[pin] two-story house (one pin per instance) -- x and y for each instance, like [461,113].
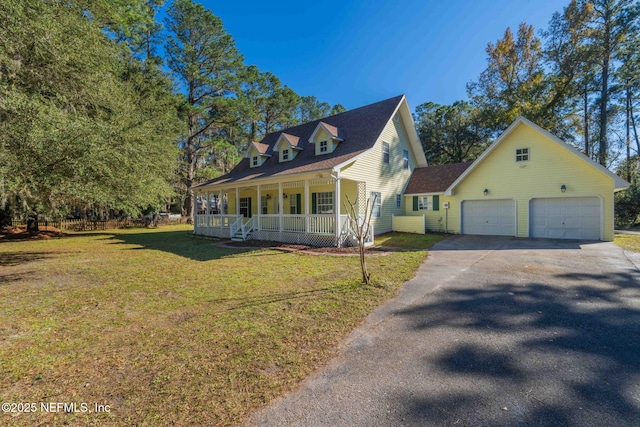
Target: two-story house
[294,185]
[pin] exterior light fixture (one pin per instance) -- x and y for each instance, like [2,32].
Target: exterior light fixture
[486,191]
[284,196]
[268,197]
[563,188]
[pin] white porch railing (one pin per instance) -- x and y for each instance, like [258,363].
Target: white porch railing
[268,222]
[314,224]
[247,228]
[236,226]
[319,225]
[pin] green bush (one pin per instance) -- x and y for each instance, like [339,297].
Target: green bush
[627,206]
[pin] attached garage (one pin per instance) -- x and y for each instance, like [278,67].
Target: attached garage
[489,217]
[566,218]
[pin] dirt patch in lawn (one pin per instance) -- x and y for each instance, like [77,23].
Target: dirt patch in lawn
[21,233]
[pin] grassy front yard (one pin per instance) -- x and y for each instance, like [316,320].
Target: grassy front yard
[167,328]
[630,242]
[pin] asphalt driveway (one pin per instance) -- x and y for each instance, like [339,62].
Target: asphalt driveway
[491,332]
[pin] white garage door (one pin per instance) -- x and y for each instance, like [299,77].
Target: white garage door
[489,217]
[565,218]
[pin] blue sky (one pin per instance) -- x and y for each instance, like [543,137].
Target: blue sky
[356,52]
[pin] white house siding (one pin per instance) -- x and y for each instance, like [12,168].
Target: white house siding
[387,179]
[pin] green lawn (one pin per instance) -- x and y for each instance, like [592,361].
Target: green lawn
[167,328]
[408,240]
[630,242]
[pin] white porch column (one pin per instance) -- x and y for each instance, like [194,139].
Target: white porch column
[307,211]
[206,206]
[259,208]
[337,207]
[237,201]
[280,206]
[221,205]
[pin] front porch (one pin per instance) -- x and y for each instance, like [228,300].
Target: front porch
[304,212]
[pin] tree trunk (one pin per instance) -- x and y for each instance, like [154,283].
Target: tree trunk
[604,100]
[628,126]
[586,119]
[635,130]
[32,223]
[604,92]
[366,276]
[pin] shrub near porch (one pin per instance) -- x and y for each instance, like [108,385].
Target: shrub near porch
[167,328]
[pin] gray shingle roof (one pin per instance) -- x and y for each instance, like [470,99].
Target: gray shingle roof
[360,129]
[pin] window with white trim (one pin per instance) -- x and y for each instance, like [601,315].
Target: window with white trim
[405,159]
[522,154]
[324,146]
[376,201]
[398,201]
[385,152]
[285,154]
[423,203]
[244,207]
[254,161]
[324,202]
[263,203]
[294,209]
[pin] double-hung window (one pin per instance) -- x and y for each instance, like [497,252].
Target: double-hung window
[324,202]
[245,207]
[423,203]
[398,201]
[263,203]
[405,159]
[285,154]
[376,202]
[385,152]
[254,161]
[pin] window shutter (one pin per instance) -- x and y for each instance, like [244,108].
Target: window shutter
[436,203]
[248,207]
[314,207]
[298,204]
[415,203]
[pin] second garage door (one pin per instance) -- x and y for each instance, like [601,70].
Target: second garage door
[565,218]
[489,217]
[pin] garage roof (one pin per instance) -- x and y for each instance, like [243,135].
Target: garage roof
[434,179]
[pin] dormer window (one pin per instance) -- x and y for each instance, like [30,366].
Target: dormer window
[326,138]
[324,146]
[257,154]
[285,154]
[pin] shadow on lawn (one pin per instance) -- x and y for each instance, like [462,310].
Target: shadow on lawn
[180,243]
[231,304]
[9,259]
[549,355]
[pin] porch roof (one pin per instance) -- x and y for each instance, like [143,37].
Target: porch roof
[360,128]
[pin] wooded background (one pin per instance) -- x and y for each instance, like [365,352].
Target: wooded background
[105,111]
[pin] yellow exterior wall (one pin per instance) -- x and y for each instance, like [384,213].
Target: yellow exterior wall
[388,179]
[439,221]
[347,188]
[409,224]
[549,167]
